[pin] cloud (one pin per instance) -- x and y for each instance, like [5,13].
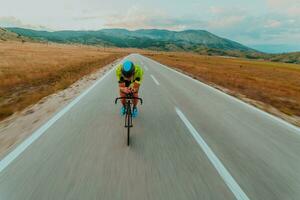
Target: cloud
[272,23]
[233,23]
[134,18]
[266,30]
[14,22]
[241,25]
[294,11]
[88,17]
[279,24]
[215,10]
[281,3]
[286,7]
[10,21]
[225,22]
[225,17]
[137,18]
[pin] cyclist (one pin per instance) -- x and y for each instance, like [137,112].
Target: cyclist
[129,76]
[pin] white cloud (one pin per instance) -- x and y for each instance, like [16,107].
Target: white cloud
[134,18]
[294,11]
[281,3]
[272,23]
[225,22]
[10,22]
[140,18]
[215,10]
[14,22]
[287,7]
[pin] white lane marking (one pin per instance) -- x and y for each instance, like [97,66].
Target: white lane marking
[228,179]
[154,79]
[270,116]
[26,143]
[146,68]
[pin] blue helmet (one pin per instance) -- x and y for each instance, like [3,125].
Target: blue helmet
[128,68]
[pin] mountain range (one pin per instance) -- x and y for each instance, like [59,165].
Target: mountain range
[144,38]
[197,41]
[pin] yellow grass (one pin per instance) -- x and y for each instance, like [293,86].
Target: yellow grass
[31,71]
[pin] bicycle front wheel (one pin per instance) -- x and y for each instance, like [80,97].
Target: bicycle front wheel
[128,129]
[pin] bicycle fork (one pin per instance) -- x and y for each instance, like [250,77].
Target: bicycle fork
[128,116]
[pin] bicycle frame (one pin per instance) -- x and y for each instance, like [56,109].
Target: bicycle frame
[128,114]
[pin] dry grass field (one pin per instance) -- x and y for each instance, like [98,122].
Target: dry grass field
[275,84]
[31,71]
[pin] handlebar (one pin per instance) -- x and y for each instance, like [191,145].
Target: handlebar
[128,97]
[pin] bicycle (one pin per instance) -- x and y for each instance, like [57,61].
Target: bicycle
[128,112]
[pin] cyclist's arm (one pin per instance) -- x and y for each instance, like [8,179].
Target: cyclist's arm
[138,80]
[123,88]
[120,79]
[136,85]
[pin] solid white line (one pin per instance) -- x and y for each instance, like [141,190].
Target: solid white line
[154,79]
[270,116]
[228,179]
[26,143]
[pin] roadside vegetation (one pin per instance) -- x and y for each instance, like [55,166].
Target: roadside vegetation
[31,71]
[267,85]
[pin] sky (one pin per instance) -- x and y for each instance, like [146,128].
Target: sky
[250,22]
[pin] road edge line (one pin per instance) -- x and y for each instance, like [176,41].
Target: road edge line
[11,156]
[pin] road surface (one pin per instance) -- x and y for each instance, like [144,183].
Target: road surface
[189,141]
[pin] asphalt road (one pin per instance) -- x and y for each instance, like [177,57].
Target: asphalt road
[189,141]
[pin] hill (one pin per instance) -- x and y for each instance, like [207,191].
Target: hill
[6,35]
[150,39]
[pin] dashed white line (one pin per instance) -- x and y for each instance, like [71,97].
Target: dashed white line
[228,179]
[154,79]
[146,68]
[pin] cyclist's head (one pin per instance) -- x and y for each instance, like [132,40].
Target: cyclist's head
[128,68]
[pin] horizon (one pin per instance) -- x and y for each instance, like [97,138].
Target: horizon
[265,48]
[252,23]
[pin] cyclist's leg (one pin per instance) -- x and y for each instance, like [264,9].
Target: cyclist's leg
[135,101]
[123,101]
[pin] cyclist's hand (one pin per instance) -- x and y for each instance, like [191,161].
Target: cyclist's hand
[132,90]
[126,90]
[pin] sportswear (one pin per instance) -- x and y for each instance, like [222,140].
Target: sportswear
[137,75]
